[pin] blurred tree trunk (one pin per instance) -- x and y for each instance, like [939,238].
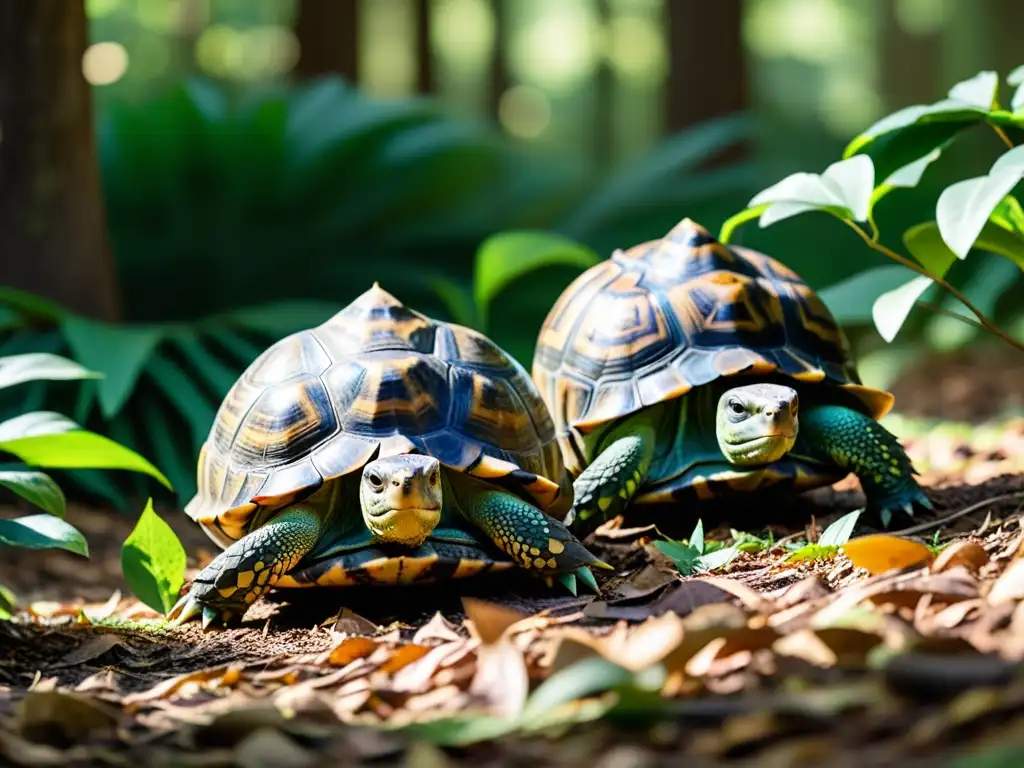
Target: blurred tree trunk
[53,238]
[499,63]
[910,71]
[425,74]
[328,34]
[707,62]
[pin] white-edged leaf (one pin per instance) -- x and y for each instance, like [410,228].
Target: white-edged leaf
[925,244]
[1010,160]
[840,531]
[153,561]
[41,366]
[42,532]
[776,212]
[891,309]
[34,424]
[718,559]
[850,300]
[978,91]
[910,175]
[119,352]
[964,207]
[844,188]
[697,537]
[1017,76]
[37,488]
[854,180]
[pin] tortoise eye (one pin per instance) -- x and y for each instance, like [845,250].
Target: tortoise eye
[433,479]
[736,407]
[375,480]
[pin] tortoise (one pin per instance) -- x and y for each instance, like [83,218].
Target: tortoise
[381,447]
[682,370]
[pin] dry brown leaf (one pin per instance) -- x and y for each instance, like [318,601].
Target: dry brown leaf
[751,599]
[966,554]
[437,630]
[269,748]
[501,681]
[402,657]
[94,646]
[351,623]
[489,621]
[829,647]
[171,685]
[879,553]
[416,676]
[1009,587]
[54,716]
[348,650]
[105,610]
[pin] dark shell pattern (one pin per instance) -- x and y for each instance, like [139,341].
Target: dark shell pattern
[377,379]
[653,322]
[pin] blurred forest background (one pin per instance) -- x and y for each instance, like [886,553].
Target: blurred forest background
[261,162]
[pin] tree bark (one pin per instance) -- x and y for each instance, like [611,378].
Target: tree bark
[53,237]
[707,71]
[328,34]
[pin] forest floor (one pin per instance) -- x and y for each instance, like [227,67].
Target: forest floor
[768,662]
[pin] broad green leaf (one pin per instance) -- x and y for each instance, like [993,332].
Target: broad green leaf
[153,561]
[119,352]
[812,552]
[37,488]
[79,449]
[722,557]
[927,246]
[196,408]
[737,220]
[207,366]
[683,555]
[509,255]
[34,424]
[1017,76]
[964,207]
[30,304]
[458,301]
[6,602]
[584,678]
[891,309]
[42,532]
[844,189]
[850,300]
[1010,160]
[978,91]
[840,531]
[283,317]
[697,537]
[992,278]
[906,177]
[41,366]
[1009,215]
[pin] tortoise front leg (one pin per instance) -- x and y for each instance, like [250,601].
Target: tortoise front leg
[246,570]
[534,540]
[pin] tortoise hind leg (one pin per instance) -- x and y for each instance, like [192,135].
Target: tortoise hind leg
[861,445]
[246,570]
[604,488]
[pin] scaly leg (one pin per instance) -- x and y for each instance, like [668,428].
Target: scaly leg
[604,488]
[246,570]
[861,445]
[536,541]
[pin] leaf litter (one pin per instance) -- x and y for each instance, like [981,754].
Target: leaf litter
[891,650]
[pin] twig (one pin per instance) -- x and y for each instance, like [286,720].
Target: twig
[958,514]
[948,313]
[984,321]
[1002,135]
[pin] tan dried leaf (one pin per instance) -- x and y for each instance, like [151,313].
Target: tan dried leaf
[961,554]
[437,630]
[489,621]
[348,650]
[403,656]
[43,714]
[1009,587]
[502,680]
[880,553]
[269,748]
[94,646]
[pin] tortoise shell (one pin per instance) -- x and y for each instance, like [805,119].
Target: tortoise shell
[377,379]
[655,321]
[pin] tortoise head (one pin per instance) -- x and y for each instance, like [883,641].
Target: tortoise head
[757,423]
[401,498]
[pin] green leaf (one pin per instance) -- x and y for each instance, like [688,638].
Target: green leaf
[509,255]
[1010,160]
[892,308]
[737,220]
[840,531]
[6,602]
[979,91]
[37,488]
[584,678]
[42,532]
[41,366]
[697,537]
[927,246]
[906,177]
[1009,215]
[32,305]
[153,561]
[78,449]
[812,552]
[683,555]
[720,558]
[34,424]
[458,301]
[844,189]
[119,352]
[1017,76]
[850,300]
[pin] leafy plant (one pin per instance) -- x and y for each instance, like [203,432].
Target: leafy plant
[696,554]
[831,539]
[153,561]
[45,439]
[981,213]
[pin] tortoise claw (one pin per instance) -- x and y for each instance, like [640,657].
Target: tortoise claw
[584,575]
[568,580]
[209,616]
[186,609]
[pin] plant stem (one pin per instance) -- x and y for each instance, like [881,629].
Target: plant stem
[943,311]
[1002,135]
[984,321]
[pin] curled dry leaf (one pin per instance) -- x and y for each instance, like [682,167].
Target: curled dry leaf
[352,623]
[489,621]
[437,630]
[402,657]
[1009,587]
[750,598]
[54,716]
[501,681]
[828,647]
[961,554]
[348,650]
[269,748]
[880,553]
[92,648]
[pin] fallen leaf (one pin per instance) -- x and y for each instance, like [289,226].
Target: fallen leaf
[415,677]
[829,647]
[94,646]
[403,656]
[966,554]
[681,598]
[879,553]
[348,650]
[167,687]
[352,623]
[269,748]
[1009,587]
[57,717]
[501,680]
[750,598]
[438,630]
[489,621]
[104,611]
